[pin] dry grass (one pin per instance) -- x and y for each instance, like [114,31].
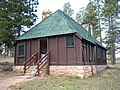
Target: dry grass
[108,79]
[7,74]
[7,59]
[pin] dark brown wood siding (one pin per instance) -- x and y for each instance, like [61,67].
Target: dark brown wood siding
[34,46]
[18,60]
[61,50]
[60,54]
[101,56]
[31,46]
[28,52]
[93,54]
[71,57]
[78,45]
[53,50]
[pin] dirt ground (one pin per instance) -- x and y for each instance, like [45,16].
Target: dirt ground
[9,78]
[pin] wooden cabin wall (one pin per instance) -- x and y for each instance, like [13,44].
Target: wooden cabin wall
[101,56]
[71,54]
[93,50]
[78,49]
[87,53]
[28,49]
[34,46]
[18,60]
[62,55]
[92,55]
[53,50]
[31,46]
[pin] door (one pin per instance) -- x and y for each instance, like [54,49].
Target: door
[43,47]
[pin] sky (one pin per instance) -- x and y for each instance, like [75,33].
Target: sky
[54,5]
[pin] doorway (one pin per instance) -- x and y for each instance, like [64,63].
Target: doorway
[43,47]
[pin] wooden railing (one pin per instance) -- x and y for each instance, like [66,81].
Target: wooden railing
[30,61]
[43,61]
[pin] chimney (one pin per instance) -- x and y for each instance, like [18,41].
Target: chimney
[46,14]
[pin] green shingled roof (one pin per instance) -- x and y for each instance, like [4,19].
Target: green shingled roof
[57,24]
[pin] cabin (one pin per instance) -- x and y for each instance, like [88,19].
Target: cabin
[61,47]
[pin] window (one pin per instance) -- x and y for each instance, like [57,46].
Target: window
[21,50]
[70,40]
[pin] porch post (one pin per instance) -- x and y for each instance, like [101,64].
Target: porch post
[38,56]
[38,49]
[48,71]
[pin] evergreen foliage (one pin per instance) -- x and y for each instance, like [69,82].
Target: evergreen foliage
[67,9]
[14,14]
[110,19]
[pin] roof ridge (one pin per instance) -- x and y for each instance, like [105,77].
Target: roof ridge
[73,22]
[63,14]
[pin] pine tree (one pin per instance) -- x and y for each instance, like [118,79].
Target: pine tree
[99,19]
[67,9]
[14,14]
[110,14]
[90,17]
[80,15]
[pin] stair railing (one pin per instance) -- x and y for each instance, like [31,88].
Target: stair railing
[43,61]
[29,62]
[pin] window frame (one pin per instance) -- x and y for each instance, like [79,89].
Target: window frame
[73,40]
[18,50]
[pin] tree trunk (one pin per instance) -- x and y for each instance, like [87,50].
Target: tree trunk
[5,51]
[19,29]
[112,43]
[113,50]
[99,27]
[113,53]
